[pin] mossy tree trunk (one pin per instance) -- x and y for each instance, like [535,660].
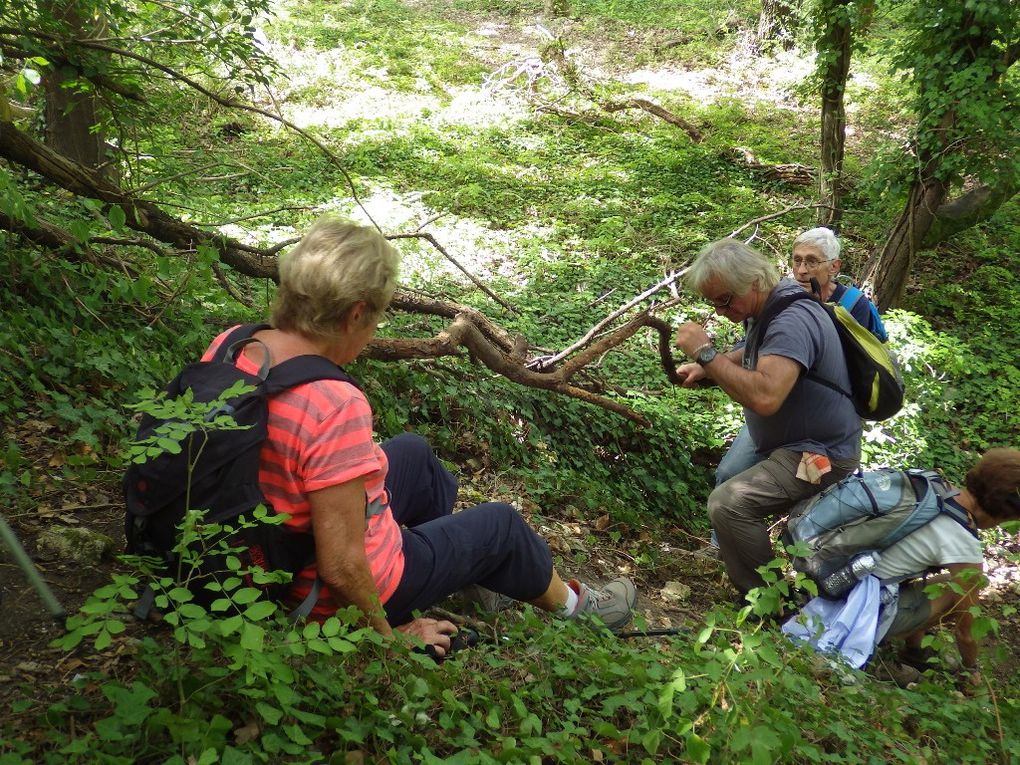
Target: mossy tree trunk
[557,9]
[967,116]
[775,25]
[834,64]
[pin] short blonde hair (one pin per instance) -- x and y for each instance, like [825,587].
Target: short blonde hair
[335,265]
[736,265]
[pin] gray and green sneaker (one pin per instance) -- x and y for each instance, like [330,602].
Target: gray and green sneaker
[486,600]
[613,604]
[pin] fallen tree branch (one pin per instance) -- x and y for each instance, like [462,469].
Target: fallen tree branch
[463,333]
[654,109]
[140,215]
[231,103]
[229,288]
[469,329]
[793,174]
[474,279]
[547,362]
[573,75]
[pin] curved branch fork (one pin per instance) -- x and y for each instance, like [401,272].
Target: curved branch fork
[469,330]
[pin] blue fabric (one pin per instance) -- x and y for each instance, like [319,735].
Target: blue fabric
[847,627]
[861,308]
[739,457]
[444,552]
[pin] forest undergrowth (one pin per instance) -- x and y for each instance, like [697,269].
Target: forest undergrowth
[461,119]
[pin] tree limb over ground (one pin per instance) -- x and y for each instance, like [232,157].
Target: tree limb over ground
[469,330]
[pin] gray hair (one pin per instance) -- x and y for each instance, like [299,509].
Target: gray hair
[737,267]
[335,265]
[823,239]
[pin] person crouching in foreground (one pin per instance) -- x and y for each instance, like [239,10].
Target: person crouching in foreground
[991,496]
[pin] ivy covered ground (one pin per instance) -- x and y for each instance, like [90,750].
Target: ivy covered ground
[472,120]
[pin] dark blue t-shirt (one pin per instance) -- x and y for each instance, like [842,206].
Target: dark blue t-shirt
[860,310]
[813,418]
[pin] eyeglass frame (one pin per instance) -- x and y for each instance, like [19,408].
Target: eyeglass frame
[810,263]
[723,305]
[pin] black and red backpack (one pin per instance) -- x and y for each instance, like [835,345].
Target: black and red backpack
[224,471]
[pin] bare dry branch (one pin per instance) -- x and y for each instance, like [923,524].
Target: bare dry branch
[474,279]
[773,216]
[550,361]
[230,289]
[658,111]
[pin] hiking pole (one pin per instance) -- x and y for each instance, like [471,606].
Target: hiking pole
[22,559]
[654,633]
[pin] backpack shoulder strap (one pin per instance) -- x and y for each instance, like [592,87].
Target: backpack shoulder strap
[850,298]
[945,498]
[303,369]
[779,305]
[238,334]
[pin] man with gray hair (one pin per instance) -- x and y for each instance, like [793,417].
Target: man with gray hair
[816,256]
[808,435]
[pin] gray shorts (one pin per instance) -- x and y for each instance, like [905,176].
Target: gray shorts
[914,610]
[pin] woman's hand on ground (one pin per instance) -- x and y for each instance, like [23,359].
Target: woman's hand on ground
[432,632]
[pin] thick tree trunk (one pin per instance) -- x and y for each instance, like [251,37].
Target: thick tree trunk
[557,9]
[71,114]
[141,215]
[774,25]
[835,46]
[976,206]
[70,120]
[890,274]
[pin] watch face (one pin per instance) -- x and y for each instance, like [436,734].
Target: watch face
[706,356]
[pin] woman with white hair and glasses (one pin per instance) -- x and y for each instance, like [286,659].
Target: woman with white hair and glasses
[386,538]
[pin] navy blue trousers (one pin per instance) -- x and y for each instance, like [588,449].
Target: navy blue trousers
[489,544]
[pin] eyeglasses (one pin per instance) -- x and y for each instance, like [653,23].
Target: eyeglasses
[722,304]
[810,263]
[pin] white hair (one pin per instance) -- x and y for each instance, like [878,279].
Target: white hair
[822,238]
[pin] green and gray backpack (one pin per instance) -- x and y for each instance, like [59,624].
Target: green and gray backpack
[866,513]
[876,387]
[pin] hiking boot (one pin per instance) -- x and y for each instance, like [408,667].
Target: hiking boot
[613,604]
[708,552]
[890,670]
[486,600]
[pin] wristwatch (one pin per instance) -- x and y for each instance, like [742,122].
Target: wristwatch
[705,354]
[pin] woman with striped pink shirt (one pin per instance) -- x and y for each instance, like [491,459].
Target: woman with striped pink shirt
[386,539]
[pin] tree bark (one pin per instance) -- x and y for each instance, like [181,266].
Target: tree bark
[908,232]
[141,215]
[774,24]
[469,329]
[942,141]
[557,9]
[71,112]
[834,45]
[976,206]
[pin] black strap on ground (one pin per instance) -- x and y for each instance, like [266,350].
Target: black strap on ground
[665,632]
